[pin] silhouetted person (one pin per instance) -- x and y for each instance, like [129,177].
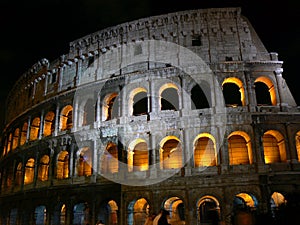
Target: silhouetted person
[163,220]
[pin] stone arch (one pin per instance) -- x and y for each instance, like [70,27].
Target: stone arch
[49,123]
[40,215]
[138,102]
[176,208]
[170,153]
[84,162]
[109,159]
[138,210]
[81,214]
[62,166]
[110,106]
[138,157]
[34,129]
[208,210]
[16,138]
[239,148]
[43,169]
[66,118]
[274,147]
[108,212]
[233,92]
[23,137]
[205,150]
[265,91]
[169,97]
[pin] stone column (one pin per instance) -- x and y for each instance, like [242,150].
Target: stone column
[41,130]
[57,118]
[28,129]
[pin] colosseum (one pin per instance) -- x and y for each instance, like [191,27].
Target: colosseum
[186,111]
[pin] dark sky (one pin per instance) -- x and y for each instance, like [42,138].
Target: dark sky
[36,29]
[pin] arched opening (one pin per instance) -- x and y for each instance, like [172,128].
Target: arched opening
[170,153]
[108,213]
[199,99]
[205,150]
[88,113]
[138,210]
[208,211]
[265,91]
[13,216]
[176,209]
[110,107]
[233,92]
[169,98]
[66,118]
[24,134]
[274,147]
[239,148]
[278,202]
[9,140]
[244,206]
[34,129]
[49,124]
[62,170]
[43,169]
[109,161]
[81,214]
[297,140]
[19,175]
[140,103]
[84,162]
[59,214]
[29,171]
[15,141]
[40,215]
[138,157]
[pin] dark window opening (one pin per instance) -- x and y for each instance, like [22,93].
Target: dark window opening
[91,60]
[140,104]
[262,94]
[53,78]
[196,41]
[199,100]
[232,95]
[228,58]
[169,99]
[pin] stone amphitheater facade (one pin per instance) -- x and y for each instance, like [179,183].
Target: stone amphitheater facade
[185,111]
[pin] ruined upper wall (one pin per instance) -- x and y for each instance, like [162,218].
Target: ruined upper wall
[217,35]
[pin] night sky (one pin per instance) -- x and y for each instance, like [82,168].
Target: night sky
[36,29]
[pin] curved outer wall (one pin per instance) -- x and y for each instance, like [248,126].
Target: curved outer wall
[229,47]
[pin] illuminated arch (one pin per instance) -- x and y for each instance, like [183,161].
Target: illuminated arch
[109,159]
[239,148]
[228,99]
[271,89]
[274,147]
[138,101]
[138,210]
[19,176]
[205,150]
[110,107]
[29,171]
[108,212]
[169,97]
[170,153]
[208,210]
[84,162]
[175,206]
[49,124]
[9,140]
[23,137]
[62,167]
[138,157]
[34,129]
[66,118]
[43,169]
[15,140]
